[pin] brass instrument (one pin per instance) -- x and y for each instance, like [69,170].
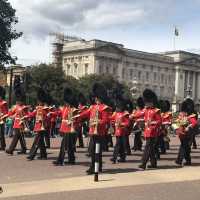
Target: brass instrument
[1,118]
[95,121]
[39,118]
[70,120]
[24,123]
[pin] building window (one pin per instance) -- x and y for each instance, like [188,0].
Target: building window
[136,64]
[100,69]
[131,73]
[151,67]
[139,75]
[115,70]
[147,76]
[162,78]
[86,68]
[65,60]
[72,59]
[155,76]
[144,66]
[68,69]
[107,69]
[75,69]
[123,73]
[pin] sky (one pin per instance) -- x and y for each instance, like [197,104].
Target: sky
[145,25]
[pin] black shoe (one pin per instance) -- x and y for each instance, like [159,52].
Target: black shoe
[187,164]
[194,147]
[142,167]
[178,163]
[42,157]
[58,163]
[152,166]
[71,162]
[9,152]
[129,153]
[30,158]
[113,160]
[90,171]
[122,160]
[21,152]
[2,149]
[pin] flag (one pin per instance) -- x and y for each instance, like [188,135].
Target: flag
[176,32]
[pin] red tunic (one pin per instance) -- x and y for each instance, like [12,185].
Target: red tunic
[185,121]
[3,110]
[19,112]
[166,118]
[97,114]
[68,125]
[138,117]
[40,114]
[121,123]
[153,121]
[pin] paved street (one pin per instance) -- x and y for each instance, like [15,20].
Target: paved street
[22,179]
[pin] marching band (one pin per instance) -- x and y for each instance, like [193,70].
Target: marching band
[150,122]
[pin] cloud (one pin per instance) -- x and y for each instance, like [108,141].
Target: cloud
[39,17]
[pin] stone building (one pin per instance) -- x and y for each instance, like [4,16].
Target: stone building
[172,75]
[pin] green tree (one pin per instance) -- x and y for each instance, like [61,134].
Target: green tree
[7,31]
[51,79]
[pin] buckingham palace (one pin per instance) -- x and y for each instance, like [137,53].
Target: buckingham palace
[173,75]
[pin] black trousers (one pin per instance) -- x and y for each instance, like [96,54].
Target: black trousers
[128,148]
[138,140]
[120,148]
[149,152]
[184,150]
[18,136]
[2,137]
[79,137]
[162,144]
[94,139]
[67,144]
[38,143]
[47,138]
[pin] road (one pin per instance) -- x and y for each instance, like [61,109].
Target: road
[38,179]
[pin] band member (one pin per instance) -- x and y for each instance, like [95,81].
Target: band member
[40,115]
[19,113]
[152,120]
[120,121]
[67,128]
[80,125]
[138,127]
[165,128]
[186,122]
[3,114]
[98,114]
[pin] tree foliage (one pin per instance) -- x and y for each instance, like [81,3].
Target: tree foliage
[7,31]
[54,80]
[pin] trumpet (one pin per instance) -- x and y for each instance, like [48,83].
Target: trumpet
[1,118]
[95,121]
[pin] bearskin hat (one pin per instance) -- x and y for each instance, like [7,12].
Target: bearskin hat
[42,96]
[184,106]
[81,99]
[189,103]
[68,96]
[120,103]
[140,102]
[167,103]
[2,92]
[99,91]
[150,97]
[162,105]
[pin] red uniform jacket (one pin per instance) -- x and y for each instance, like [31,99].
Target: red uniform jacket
[153,121]
[121,123]
[40,114]
[3,110]
[138,117]
[18,111]
[184,121]
[68,125]
[97,114]
[166,118]
[79,122]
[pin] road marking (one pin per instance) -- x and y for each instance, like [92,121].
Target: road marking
[106,181]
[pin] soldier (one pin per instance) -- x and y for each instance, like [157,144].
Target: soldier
[138,118]
[82,106]
[40,115]
[3,114]
[98,114]
[19,113]
[67,128]
[120,121]
[186,123]
[152,120]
